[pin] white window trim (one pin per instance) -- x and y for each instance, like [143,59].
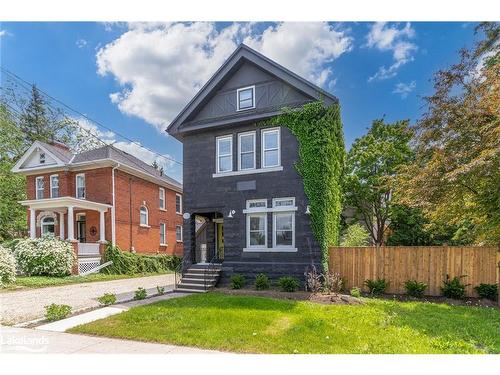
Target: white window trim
[254,134]
[247,171]
[84,186]
[247,230]
[262,150]
[256,209]
[52,186]
[164,225]
[176,239]
[292,246]
[217,156]
[40,158]
[238,98]
[164,208]
[42,224]
[147,217]
[36,187]
[180,205]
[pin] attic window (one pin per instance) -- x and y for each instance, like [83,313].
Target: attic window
[42,158]
[245,98]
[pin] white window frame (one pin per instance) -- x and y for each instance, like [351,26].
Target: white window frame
[180,203]
[164,242]
[39,178]
[263,149]
[177,239]
[43,224]
[162,201]
[254,152]
[281,212]
[218,156]
[52,187]
[238,98]
[84,186]
[249,216]
[147,216]
[42,158]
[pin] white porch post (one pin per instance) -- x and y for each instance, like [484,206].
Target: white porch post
[71,224]
[61,225]
[102,228]
[32,223]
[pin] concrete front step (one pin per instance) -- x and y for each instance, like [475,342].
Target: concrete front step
[189,280]
[184,290]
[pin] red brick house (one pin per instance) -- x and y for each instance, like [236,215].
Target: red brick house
[101,195]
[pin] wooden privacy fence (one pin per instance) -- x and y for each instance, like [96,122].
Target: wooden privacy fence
[428,264]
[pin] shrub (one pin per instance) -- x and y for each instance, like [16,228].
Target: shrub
[46,256]
[237,281]
[140,293]
[55,312]
[107,299]
[125,263]
[377,287]
[453,288]
[333,283]
[314,281]
[488,291]
[7,267]
[355,292]
[288,284]
[415,288]
[161,290]
[262,282]
[355,235]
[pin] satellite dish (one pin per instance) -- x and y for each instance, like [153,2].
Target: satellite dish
[186,215]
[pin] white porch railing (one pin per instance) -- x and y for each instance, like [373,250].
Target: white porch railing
[87,249]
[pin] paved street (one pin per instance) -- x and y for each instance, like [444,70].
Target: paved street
[24,305]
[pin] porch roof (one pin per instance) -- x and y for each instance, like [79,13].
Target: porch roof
[64,202]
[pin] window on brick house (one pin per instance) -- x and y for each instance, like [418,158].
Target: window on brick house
[143,212]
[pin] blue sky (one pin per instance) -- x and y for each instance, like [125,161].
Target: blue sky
[135,77]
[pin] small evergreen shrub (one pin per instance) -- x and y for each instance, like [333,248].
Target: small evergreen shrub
[107,299]
[488,291]
[415,288]
[161,290]
[237,281]
[453,288]
[140,293]
[55,312]
[355,235]
[288,284]
[45,256]
[7,267]
[377,287]
[262,282]
[355,292]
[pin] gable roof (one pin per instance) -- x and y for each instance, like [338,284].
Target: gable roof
[241,54]
[60,157]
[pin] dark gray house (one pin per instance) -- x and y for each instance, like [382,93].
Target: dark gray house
[244,202]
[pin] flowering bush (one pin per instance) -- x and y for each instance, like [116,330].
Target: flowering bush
[46,256]
[7,267]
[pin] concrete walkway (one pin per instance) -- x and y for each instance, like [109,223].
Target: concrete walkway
[30,341]
[24,305]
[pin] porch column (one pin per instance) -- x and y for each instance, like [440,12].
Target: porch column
[32,223]
[102,228]
[61,225]
[71,224]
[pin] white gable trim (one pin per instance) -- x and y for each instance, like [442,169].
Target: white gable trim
[29,152]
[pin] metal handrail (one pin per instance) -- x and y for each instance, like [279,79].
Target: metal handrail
[209,270]
[177,271]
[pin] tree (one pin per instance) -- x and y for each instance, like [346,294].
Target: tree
[372,164]
[456,175]
[355,235]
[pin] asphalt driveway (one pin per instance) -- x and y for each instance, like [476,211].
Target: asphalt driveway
[25,305]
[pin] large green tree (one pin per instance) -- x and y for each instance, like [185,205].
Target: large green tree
[456,175]
[372,164]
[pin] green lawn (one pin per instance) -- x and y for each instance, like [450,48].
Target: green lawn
[23,282]
[264,325]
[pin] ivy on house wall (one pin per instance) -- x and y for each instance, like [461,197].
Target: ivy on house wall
[321,163]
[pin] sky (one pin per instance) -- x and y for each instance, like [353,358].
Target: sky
[135,77]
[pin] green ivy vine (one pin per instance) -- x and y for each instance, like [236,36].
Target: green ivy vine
[321,163]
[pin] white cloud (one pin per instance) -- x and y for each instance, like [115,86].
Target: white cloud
[161,66]
[385,37]
[80,43]
[404,89]
[4,33]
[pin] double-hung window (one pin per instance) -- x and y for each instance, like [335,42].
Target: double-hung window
[143,216]
[178,233]
[225,154]
[80,186]
[246,151]
[246,98]
[54,186]
[256,224]
[162,198]
[178,204]
[284,223]
[271,145]
[39,187]
[163,234]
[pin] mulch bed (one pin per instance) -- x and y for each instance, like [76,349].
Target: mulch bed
[468,301]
